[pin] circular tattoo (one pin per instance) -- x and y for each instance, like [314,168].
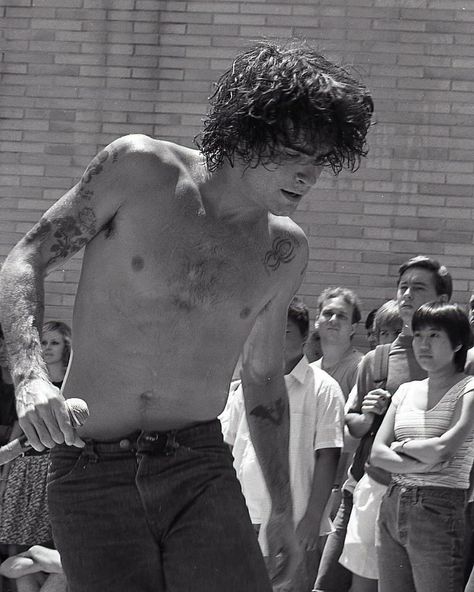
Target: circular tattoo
[282,251]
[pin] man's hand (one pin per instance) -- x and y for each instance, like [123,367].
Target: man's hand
[283,549]
[43,415]
[307,532]
[376,402]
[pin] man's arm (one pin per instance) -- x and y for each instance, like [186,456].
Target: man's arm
[326,460]
[357,422]
[63,230]
[368,402]
[267,410]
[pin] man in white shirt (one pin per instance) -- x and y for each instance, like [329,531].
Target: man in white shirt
[316,439]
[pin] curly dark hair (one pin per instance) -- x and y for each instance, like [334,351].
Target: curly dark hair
[276,97]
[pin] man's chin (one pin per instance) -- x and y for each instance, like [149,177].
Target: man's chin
[286,210]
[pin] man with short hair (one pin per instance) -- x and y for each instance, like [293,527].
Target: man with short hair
[189,255]
[339,313]
[316,438]
[420,279]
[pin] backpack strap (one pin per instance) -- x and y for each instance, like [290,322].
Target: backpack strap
[381,364]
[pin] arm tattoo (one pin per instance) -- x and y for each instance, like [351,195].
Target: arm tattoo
[283,250]
[69,233]
[39,231]
[95,168]
[273,413]
[72,233]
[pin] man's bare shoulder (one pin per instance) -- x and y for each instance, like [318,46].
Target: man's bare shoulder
[151,154]
[279,225]
[289,245]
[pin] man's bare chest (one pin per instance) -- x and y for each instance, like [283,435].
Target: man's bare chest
[189,265]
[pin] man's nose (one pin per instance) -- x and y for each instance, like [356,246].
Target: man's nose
[308,175]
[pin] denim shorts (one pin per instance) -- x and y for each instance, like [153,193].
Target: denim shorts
[153,512]
[421,539]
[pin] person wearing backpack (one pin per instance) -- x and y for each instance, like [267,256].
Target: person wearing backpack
[381,371]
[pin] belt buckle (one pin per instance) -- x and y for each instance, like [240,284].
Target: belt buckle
[159,442]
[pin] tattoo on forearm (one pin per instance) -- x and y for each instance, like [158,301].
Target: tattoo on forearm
[283,251]
[273,413]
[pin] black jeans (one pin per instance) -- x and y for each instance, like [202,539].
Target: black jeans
[154,512]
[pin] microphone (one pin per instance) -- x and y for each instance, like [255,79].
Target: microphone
[78,414]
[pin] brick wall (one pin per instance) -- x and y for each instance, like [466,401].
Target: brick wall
[75,74]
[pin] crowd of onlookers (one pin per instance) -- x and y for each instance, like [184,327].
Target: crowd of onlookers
[381,443]
[380,446]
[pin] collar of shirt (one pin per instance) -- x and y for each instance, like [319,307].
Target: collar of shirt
[299,371]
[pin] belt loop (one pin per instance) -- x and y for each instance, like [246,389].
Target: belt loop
[416,494]
[171,444]
[90,452]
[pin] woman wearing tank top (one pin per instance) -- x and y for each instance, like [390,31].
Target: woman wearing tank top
[427,442]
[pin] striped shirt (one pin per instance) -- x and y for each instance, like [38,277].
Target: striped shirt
[412,423]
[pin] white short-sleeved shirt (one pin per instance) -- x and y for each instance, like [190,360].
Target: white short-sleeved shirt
[316,422]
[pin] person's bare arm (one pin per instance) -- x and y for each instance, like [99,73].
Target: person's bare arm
[266,403]
[323,478]
[441,448]
[374,403]
[359,419]
[383,456]
[63,230]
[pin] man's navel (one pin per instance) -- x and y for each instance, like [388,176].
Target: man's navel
[138,263]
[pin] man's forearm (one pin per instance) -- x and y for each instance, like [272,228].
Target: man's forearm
[323,478]
[21,313]
[267,412]
[359,424]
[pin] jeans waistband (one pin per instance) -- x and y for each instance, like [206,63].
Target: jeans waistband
[415,492]
[156,442]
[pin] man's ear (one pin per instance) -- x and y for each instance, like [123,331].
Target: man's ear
[354,327]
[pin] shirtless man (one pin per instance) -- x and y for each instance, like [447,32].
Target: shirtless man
[189,256]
